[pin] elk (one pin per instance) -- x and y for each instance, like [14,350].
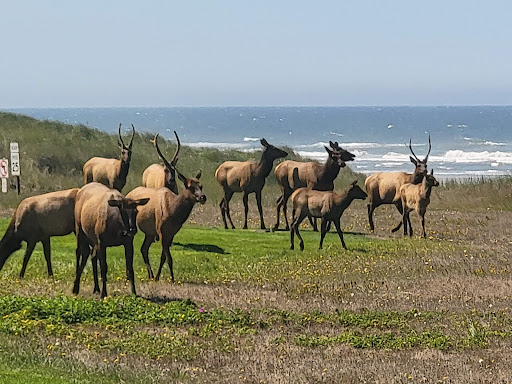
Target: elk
[416,197]
[384,187]
[247,177]
[110,172]
[327,205]
[38,218]
[104,218]
[158,175]
[292,175]
[164,216]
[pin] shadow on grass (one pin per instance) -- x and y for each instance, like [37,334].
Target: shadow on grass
[204,248]
[160,299]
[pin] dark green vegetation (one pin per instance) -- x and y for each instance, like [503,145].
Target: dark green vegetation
[245,308]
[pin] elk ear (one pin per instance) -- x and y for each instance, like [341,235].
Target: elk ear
[264,142]
[329,151]
[354,183]
[198,176]
[432,172]
[115,203]
[413,160]
[142,201]
[182,178]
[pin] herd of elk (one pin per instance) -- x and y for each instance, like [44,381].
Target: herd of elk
[102,217]
[110,172]
[247,177]
[384,187]
[291,175]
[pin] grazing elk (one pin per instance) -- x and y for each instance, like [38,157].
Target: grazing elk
[416,197]
[247,177]
[38,218]
[164,216]
[110,172]
[104,218]
[327,205]
[384,187]
[292,175]
[158,175]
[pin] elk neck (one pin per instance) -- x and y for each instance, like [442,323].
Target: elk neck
[264,166]
[124,167]
[329,171]
[183,205]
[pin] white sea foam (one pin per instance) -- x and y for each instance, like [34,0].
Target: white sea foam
[205,144]
[459,156]
[251,139]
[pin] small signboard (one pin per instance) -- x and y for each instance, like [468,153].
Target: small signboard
[4,168]
[14,147]
[15,163]
[4,185]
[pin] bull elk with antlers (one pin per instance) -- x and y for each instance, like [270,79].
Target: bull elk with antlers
[164,216]
[110,172]
[158,175]
[292,175]
[384,187]
[247,177]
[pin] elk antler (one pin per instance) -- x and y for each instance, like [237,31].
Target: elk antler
[410,148]
[131,140]
[429,148]
[155,142]
[175,158]
[120,139]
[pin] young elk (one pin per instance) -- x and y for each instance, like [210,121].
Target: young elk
[38,218]
[110,172]
[164,216]
[384,187]
[104,218]
[247,177]
[292,175]
[327,205]
[158,175]
[416,197]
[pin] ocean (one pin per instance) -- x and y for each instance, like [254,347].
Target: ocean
[467,142]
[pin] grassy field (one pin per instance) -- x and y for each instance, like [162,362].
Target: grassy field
[247,309]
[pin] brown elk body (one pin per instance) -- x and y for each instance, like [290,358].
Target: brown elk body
[110,172]
[291,175]
[38,218]
[104,218]
[247,177]
[327,205]
[384,187]
[158,175]
[164,216]
[416,197]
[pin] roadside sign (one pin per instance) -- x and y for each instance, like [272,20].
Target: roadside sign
[15,163]
[4,185]
[4,168]
[14,147]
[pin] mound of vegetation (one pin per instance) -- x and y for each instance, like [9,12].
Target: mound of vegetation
[52,155]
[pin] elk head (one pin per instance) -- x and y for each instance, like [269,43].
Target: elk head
[430,180]
[272,152]
[336,157]
[193,186]
[345,155]
[356,192]
[126,151]
[421,165]
[169,169]
[128,211]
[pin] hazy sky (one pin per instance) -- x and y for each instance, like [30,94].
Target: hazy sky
[279,52]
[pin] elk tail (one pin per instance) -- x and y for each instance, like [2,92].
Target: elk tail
[10,243]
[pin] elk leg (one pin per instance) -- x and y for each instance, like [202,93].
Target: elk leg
[94,262]
[423,234]
[144,249]
[166,255]
[28,252]
[128,256]
[410,224]
[102,255]
[222,206]
[340,232]
[312,221]
[279,206]
[299,220]
[323,230]
[48,255]
[404,220]
[371,208]
[399,206]
[285,210]
[227,198]
[260,209]
[81,261]
[245,200]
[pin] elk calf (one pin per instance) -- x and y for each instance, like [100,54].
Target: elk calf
[164,216]
[158,175]
[327,205]
[38,218]
[110,172]
[247,177]
[104,218]
[416,197]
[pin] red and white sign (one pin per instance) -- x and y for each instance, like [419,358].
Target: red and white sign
[4,168]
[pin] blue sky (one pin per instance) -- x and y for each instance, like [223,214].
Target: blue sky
[218,53]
